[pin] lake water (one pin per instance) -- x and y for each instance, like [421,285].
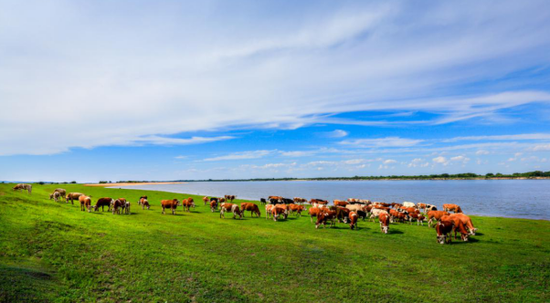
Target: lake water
[503,198]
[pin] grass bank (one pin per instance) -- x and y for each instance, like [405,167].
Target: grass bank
[51,251]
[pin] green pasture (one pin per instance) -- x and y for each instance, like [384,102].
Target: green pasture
[53,252]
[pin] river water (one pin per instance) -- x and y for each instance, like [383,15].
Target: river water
[528,199]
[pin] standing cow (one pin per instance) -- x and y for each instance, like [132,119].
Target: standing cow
[171,204]
[72,197]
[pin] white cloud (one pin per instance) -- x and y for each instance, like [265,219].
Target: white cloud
[440,160]
[241,155]
[136,75]
[295,154]
[501,138]
[180,157]
[382,142]
[482,152]
[540,147]
[389,161]
[337,133]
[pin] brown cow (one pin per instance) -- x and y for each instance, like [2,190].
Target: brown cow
[205,199]
[117,205]
[61,191]
[353,220]
[230,198]
[72,197]
[435,214]
[467,223]
[279,210]
[213,205]
[452,207]
[324,216]
[144,203]
[296,209]
[230,207]
[171,204]
[340,203]
[299,200]
[85,203]
[103,202]
[253,208]
[269,210]
[418,217]
[313,212]
[187,204]
[444,229]
[384,219]
[26,187]
[141,199]
[55,196]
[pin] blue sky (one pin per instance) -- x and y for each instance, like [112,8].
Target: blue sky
[170,90]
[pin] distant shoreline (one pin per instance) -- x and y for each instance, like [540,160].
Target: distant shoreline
[130,184]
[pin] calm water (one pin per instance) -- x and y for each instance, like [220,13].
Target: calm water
[504,198]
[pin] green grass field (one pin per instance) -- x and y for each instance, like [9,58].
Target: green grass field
[52,251]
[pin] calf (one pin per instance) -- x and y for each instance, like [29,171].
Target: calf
[253,208]
[103,202]
[384,219]
[171,204]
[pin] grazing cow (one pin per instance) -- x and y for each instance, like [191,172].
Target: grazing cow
[393,214]
[103,202]
[253,208]
[396,205]
[85,203]
[186,204]
[21,186]
[342,213]
[458,227]
[444,229]
[205,199]
[221,201]
[318,202]
[230,207]
[467,222]
[384,220]
[171,204]
[230,198]
[126,208]
[287,201]
[375,213]
[418,217]
[72,197]
[214,205]
[144,204]
[55,196]
[141,199]
[452,207]
[435,214]
[324,216]
[279,210]
[263,201]
[61,191]
[409,204]
[296,209]
[340,203]
[269,210]
[352,220]
[354,207]
[118,204]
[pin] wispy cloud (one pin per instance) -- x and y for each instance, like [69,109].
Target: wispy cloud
[518,137]
[337,133]
[382,142]
[256,154]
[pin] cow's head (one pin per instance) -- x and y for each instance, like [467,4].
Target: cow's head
[464,237]
[473,232]
[385,229]
[441,239]
[51,196]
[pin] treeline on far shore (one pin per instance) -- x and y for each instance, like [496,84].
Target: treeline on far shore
[464,176]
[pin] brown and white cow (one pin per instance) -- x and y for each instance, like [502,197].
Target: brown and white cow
[230,198]
[55,196]
[253,208]
[102,202]
[206,200]
[458,226]
[296,209]
[117,205]
[279,210]
[144,203]
[72,197]
[85,203]
[214,205]
[186,204]
[375,213]
[170,204]
[452,207]
[352,220]
[326,215]
[141,199]
[230,207]
[467,222]
[443,229]
[22,186]
[340,203]
[384,219]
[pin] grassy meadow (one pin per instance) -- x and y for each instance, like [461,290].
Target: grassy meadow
[53,252]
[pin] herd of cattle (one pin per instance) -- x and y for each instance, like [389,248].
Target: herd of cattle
[276,208]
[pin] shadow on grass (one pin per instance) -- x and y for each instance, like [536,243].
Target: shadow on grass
[394,232]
